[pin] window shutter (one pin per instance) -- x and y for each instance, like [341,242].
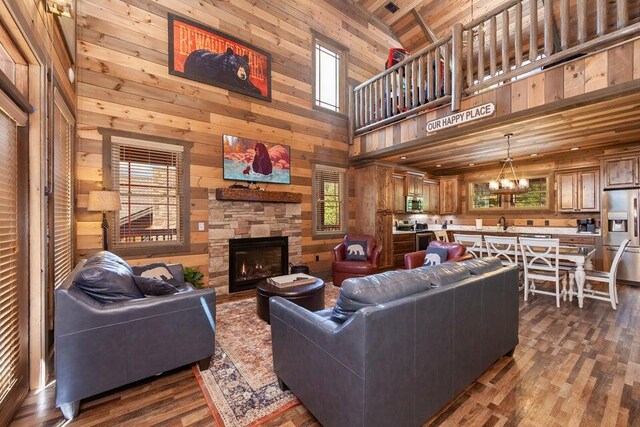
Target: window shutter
[62,234]
[149,176]
[328,191]
[9,302]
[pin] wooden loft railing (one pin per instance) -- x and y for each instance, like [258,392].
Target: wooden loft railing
[517,38]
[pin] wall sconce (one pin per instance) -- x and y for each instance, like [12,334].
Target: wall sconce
[59,7]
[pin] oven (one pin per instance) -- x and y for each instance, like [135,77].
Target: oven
[423,238]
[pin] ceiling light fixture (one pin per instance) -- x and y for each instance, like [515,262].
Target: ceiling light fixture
[472,164]
[533,154]
[508,185]
[575,148]
[438,166]
[403,157]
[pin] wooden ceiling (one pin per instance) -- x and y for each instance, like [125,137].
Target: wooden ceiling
[605,124]
[417,21]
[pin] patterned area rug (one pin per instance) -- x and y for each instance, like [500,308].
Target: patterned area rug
[240,386]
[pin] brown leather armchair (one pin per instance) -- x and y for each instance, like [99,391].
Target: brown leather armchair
[456,252]
[344,269]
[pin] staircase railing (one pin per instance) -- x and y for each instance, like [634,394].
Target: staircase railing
[515,39]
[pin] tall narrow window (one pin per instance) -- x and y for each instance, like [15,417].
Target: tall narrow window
[329,64]
[329,200]
[153,181]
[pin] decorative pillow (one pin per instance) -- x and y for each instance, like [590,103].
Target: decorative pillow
[107,278]
[154,287]
[360,292]
[435,256]
[356,250]
[157,270]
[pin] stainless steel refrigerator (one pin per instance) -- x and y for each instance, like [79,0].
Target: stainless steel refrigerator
[620,221]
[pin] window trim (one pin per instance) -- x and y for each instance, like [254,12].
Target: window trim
[506,202]
[142,249]
[317,235]
[318,38]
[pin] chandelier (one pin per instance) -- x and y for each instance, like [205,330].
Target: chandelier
[507,183]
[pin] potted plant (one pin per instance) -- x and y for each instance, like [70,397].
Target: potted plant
[193,276]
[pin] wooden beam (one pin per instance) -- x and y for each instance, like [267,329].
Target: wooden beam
[426,30]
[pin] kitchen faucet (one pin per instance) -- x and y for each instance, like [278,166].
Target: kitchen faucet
[503,222]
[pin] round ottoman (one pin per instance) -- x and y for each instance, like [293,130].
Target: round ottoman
[309,296]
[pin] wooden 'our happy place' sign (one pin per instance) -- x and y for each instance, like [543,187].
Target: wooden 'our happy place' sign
[455,119]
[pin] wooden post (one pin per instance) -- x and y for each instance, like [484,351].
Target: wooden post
[548,27]
[413,84]
[407,86]
[469,58]
[401,89]
[493,45]
[623,13]
[430,77]
[394,92]
[582,21]
[356,106]
[533,30]
[446,70]
[387,96]
[420,80]
[351,109]
[601,16]
[456,72]
[480,53]
[518,34]
[505,40]
[564,24]
[438,82]
[376,116]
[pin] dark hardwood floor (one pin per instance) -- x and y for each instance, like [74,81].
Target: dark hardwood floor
[573,367]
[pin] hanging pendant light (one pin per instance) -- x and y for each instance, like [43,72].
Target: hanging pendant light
[506,183]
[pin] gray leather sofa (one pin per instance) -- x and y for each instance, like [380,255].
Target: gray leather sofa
[399,362]
[99,347]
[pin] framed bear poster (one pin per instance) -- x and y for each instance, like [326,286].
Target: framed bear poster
[200,53]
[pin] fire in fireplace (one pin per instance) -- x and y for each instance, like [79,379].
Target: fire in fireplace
[255,259]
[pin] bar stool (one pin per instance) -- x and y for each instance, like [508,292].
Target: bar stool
[441,235]
[472,242]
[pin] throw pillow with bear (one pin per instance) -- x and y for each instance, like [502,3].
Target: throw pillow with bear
[435,256]
[356,250]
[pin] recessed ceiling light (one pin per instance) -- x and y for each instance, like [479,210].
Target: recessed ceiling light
[533,154]
[438,166]
[472,164]
[403,157]
[575,148]
[391,7]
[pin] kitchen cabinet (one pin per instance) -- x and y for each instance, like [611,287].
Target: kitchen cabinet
[398,193]
[620,172]
[449,195]
[431,195]
[413,184]
[578,191]
[402,244]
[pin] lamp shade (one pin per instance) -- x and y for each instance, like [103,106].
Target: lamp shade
[104,201]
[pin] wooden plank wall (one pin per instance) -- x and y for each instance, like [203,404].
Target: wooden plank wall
[124,84]
[599,71]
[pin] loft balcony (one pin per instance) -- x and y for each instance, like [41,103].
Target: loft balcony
[528,58]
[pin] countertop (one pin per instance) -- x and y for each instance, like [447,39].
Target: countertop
[565,231]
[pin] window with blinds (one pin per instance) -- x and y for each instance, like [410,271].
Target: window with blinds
[9,261]
[153,185]
[62,197]
[329,200]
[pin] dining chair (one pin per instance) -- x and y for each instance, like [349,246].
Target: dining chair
[503,248]
[609,277]
[472,242]
[441,235]
[541,262]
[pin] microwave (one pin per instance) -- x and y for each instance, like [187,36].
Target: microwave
[414,204]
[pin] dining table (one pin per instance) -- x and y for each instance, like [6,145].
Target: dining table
[573,258]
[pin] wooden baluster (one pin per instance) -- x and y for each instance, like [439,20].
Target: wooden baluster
[414,99]
[601,16]
[564,24]
[394,93]
[357,108]
[493,46]
[548,27]
[376,114]
[456,96]
[387,97]
[447,69]
[420,82]
[351,111]
[469,57]
[407,86]
[518,34]
[437,92]
[480,53]
[582,21]
[623,13]
[381,98]
[533,30]
[505,41]
[370,102]
[401,88]
[430,76]
[361,120]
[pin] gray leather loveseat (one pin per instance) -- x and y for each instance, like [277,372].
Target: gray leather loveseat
[405,349]
[99,346]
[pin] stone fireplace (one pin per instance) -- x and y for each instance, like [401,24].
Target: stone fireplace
[230,220]
[254,259]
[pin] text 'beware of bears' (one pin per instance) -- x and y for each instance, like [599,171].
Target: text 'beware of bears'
[205,55]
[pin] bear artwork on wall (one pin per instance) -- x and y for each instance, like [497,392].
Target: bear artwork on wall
[200,53]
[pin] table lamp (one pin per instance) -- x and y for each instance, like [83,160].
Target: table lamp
[104,201]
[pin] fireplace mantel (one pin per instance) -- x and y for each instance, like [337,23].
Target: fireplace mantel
[245,194]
